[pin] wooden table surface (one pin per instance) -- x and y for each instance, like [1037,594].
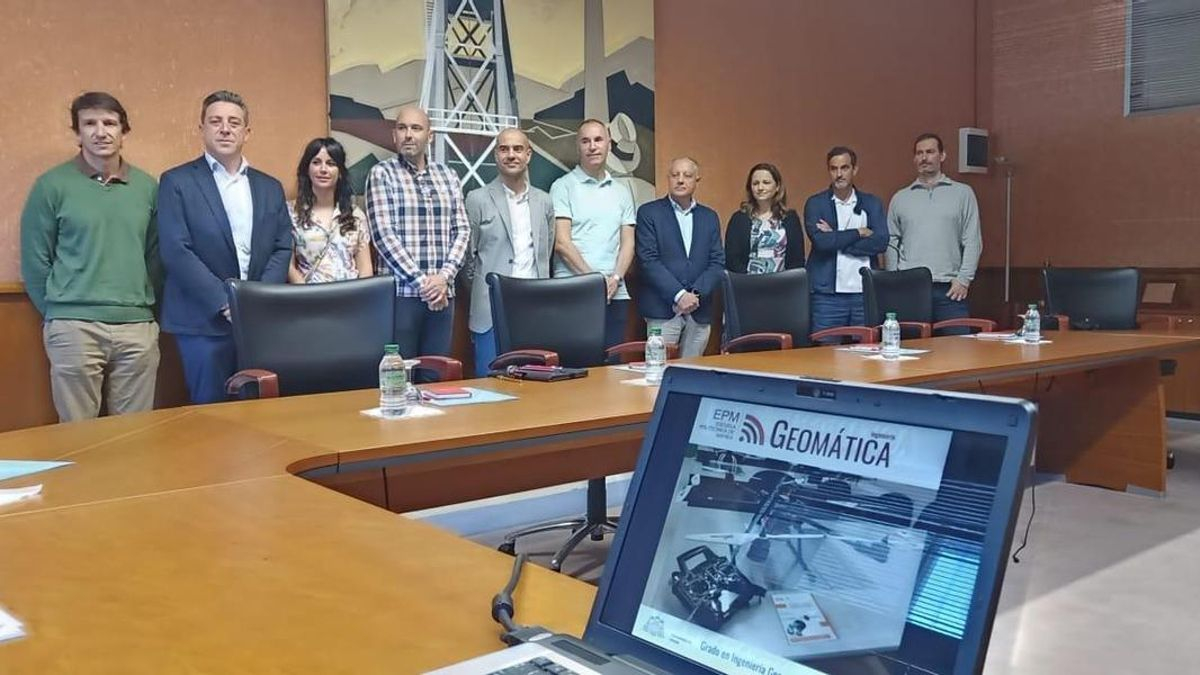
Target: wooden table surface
[181,541]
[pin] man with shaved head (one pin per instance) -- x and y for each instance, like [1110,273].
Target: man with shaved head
[512,233]
[593,220]
[681,256]
[419,227]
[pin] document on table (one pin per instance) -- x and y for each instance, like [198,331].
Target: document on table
[13,495]
[15,468]
[10,628]
[876,349]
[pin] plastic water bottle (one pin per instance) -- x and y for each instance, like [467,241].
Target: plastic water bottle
[891,337]
[1033,325]
[656,356]
[393,383]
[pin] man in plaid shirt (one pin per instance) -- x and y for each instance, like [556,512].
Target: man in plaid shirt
[417,221]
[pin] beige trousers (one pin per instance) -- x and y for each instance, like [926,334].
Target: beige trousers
[87,357]
[683,330]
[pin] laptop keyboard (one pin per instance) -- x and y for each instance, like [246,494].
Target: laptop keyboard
[536,666]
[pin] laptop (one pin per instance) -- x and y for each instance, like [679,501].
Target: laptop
[783,525]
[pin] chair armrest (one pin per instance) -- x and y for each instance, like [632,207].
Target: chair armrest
[268,382]
[1064,321]
[524,357]
[444,367]
[865,334]
[984,325]
[923,329]
[753,342]
[630,351]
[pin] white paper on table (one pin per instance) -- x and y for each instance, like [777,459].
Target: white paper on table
[413,412]
[13,495]
[10,628]
[875,349]
[880,357]
[640,382]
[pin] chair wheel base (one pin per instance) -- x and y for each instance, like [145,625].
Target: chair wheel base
[508,547]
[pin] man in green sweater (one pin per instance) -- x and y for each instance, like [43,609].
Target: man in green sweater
[89,260]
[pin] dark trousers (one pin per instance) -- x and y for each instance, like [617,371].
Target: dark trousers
[945,308]
[615,319]
[835,310]
[208,361]
[421,331]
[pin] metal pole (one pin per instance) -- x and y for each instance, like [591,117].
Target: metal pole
[1008,177]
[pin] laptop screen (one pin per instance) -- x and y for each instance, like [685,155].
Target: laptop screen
[797,541]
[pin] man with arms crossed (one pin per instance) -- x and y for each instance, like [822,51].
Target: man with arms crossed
[512,233]
[934,223]
[417,221]
[219,219]
[89,260]
[848,230]
[594,224]
[681,256]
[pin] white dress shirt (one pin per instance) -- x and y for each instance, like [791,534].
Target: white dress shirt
[848,278]
[522,233]
[239,208]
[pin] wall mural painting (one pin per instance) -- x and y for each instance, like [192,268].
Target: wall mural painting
[479,66]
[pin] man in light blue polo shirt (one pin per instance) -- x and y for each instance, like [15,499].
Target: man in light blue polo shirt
[594,224]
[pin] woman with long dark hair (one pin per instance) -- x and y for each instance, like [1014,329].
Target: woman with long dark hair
[330,233]
[764,235]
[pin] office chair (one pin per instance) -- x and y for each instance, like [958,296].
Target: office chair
[310,338]
[908,293]
[1091,298]
[557,322]
[771,311]
[1097,298]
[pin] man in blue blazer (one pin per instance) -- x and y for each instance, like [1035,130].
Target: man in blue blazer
[678,246]
[848,230]
[218,219]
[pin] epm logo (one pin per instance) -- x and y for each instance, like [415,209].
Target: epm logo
[752,431]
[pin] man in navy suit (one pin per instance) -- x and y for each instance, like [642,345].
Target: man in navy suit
[218,219]
[678,245]
[848,230]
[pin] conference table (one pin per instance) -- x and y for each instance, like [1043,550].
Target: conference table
[263,536]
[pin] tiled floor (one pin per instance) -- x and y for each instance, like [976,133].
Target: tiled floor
[1110,582]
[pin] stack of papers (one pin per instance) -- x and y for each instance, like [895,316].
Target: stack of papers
[1011,338]
[10,628]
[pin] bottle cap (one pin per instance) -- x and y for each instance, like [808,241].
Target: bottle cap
[891,316]
[654,331]
[391,349]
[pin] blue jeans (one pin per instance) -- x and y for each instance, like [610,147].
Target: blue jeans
[945,308]
[421,331]
[208,360]
[835,310]
[485,350]
[616,316]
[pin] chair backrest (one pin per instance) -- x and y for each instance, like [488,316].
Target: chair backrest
[768,303]
[908,293]
[1096,297]
[563,315]
[315,337]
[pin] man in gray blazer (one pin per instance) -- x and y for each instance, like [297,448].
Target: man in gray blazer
[512,233]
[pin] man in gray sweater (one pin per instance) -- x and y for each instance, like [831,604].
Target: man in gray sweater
[934,223]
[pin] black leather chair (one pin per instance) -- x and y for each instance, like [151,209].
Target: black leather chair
[908,293]
[1091,298]
[311,338]
[772,311]
[1096,298]
[557,322]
